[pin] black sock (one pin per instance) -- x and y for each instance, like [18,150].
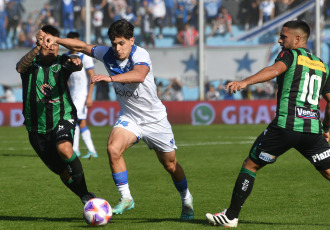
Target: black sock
[77,183]
[242,190]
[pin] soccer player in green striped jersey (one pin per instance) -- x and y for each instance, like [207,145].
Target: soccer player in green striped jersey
[302,79]
[50,116]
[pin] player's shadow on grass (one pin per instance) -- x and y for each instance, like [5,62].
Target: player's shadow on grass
[45,219]
[16,155]
[284,224]
[159,220]
[241,222]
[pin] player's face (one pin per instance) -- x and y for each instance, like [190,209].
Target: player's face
[49,53]
[288,38]
[122,47]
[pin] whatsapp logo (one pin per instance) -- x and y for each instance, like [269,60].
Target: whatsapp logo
[202,114]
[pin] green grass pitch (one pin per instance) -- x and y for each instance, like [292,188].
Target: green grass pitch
[289,194]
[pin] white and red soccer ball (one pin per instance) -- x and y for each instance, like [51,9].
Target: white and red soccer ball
[97,211]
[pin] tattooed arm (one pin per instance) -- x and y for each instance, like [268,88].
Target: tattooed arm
[26,60]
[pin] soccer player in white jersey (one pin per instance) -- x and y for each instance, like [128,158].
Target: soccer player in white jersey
[142,115]
[81,93]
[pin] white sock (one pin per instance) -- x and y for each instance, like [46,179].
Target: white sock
[124,191]
[76,139]
[186,196]
[87,138]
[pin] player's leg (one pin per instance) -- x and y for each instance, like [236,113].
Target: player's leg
[76,140]
[46,149]
[169,162]
[325,173]
[119,140]
[274,142]
[316,149]
[81,114]
[73,175]
[87,138]
[159,136]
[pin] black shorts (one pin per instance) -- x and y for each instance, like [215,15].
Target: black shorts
[275,141]
[45,145]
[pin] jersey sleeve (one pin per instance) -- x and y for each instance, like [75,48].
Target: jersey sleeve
[88,62]
[98,52]
[141,58]
[326,88]
[286,57]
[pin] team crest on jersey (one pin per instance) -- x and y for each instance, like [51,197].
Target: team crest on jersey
[305,113]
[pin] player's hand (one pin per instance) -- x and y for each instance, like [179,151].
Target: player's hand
[40,38]
[101,77]
[49,40]
[326,136]
[235,86]
[76,61]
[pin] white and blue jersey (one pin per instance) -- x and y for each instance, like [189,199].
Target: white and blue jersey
[79,81]
[138,101]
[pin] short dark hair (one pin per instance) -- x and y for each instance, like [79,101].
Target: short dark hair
[121,28]
[73,35]
[48,29]
[298,24]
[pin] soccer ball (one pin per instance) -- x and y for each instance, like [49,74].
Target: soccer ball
[97,211]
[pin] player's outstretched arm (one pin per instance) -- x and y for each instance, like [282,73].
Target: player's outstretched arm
[263,75]
[136,75]
[69,43]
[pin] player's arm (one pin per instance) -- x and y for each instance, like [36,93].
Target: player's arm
[69,43]
[263,75]
[89,100]
[136,75]
[326,120]
[27,59]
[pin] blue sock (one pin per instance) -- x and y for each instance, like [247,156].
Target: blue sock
[83,129]
[120,178]
[182,185]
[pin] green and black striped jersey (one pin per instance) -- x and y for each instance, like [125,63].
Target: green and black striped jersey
[46,98]
[299,91]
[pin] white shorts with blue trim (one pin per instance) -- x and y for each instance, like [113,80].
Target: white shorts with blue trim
[157,135]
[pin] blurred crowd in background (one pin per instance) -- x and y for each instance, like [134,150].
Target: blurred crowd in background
[151,18]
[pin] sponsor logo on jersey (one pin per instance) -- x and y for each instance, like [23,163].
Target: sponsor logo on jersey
[321,156]
[312,64]
[267,157]
[125,93]
[305,113]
